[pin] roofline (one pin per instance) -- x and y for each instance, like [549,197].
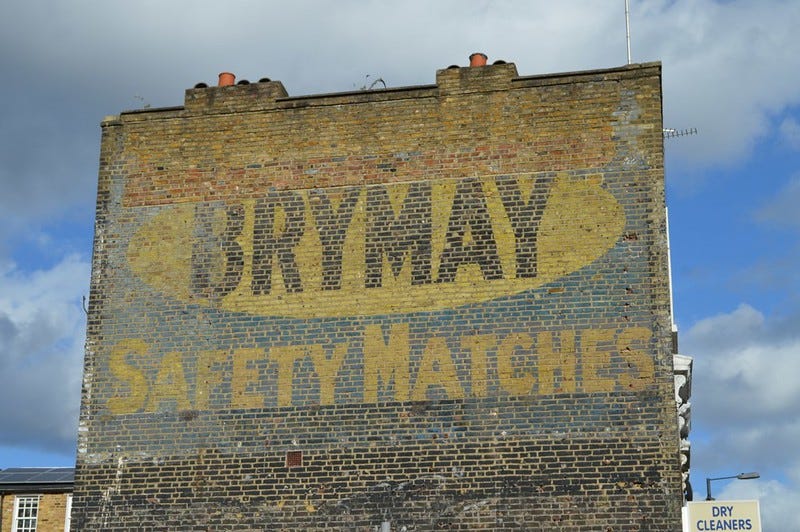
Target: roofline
[386,93]
[63,485]
[45,487]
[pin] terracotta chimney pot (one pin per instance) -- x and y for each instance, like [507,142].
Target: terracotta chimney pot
[226,79]
[477,59]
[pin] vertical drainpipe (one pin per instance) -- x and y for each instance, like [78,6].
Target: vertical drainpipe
[674,329]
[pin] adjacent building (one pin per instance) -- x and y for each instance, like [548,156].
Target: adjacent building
[36,499]
[433,307]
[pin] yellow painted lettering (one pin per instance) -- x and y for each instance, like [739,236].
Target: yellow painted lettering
[384,362]
[285,356]
[478,346]
[514,380]
[437,368]
[327,369]
[170,384]
[596,358]
[132,391]
[553,363]
[245,377]
[638,360]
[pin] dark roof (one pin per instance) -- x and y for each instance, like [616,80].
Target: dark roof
[31,479]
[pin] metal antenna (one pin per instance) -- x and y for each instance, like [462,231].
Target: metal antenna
[628,29]
[670,133]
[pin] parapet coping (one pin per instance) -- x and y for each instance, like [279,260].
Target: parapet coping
[630,71]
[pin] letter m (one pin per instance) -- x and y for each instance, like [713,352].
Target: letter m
[384,362]
[397,236]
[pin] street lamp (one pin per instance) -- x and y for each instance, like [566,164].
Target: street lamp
[740,476]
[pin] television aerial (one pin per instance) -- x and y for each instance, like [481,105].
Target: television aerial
[670,133]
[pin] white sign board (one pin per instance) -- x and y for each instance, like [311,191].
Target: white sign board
[705,516]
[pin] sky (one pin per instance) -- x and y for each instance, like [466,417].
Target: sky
[731,69]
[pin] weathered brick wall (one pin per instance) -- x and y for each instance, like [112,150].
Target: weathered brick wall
[443,306]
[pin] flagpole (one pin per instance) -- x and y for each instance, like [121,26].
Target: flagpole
[628,30]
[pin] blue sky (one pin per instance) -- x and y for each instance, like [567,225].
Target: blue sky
[731,69]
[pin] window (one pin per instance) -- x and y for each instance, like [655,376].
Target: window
[26,508]
[68,517]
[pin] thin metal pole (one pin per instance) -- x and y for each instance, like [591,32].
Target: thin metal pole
[628,30]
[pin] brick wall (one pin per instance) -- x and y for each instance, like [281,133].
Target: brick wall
[51,515]
[437,307]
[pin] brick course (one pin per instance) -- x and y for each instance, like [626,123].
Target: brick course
[451,300]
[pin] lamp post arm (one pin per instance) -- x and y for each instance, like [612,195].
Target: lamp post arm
[742,476]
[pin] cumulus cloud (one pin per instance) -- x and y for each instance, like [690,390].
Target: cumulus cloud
[745,398]
[729,67]
[744,360]
[778,501]
[42,327]
[724,71]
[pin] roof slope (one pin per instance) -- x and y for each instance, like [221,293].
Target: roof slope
[22,479]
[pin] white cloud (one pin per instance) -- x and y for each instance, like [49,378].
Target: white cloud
[42,327]
[746,392]
[778,501]
[729,67]
[746,361]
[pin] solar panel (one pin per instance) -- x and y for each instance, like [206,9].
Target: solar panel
[37,475]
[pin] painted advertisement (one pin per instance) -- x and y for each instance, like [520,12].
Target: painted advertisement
[387,292]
